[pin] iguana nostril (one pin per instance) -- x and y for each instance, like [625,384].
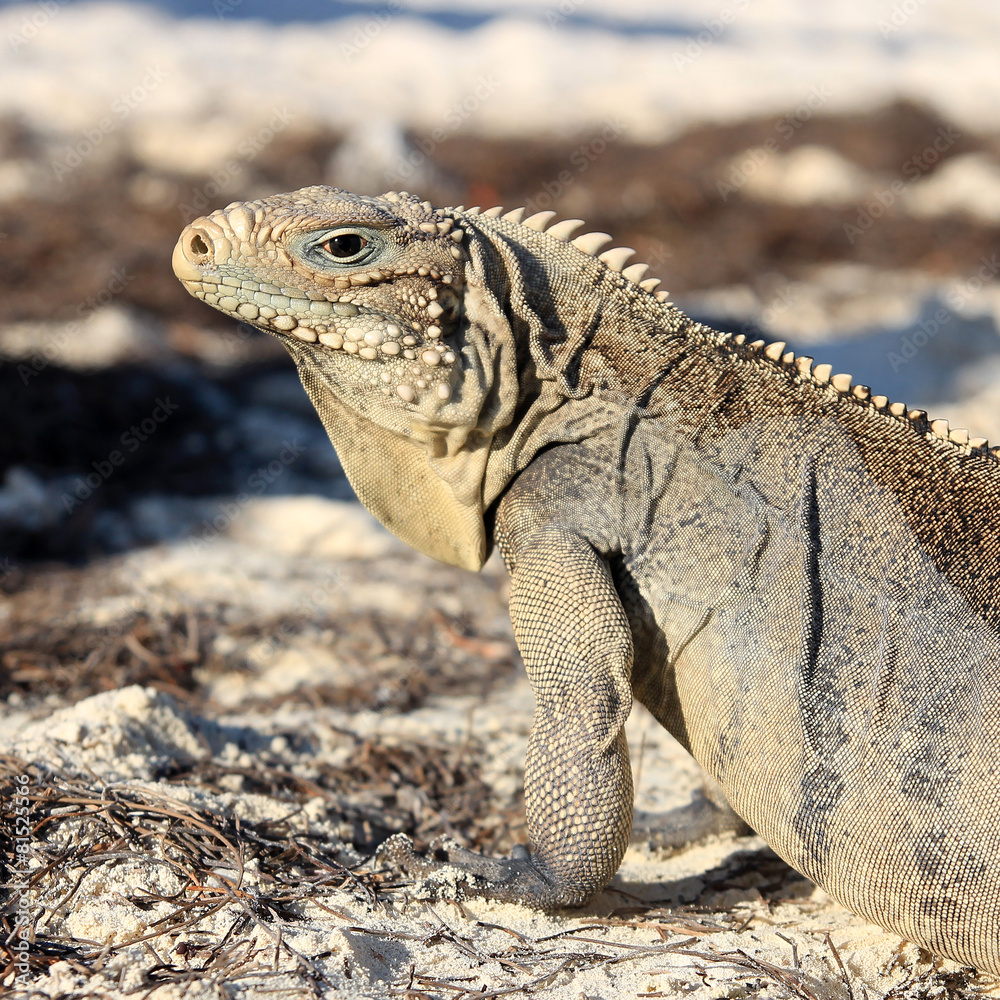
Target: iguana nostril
[198,245]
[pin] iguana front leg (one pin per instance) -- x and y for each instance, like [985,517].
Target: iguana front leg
[577,646]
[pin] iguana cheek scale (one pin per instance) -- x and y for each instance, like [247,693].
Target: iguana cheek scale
[799,579]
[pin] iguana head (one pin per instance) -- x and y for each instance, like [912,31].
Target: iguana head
[413,334]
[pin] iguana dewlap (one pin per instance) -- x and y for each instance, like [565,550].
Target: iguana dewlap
[800,580]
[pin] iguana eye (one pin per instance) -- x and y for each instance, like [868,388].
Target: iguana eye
[344,245]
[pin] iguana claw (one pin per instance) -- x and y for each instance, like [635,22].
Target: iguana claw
[450,870]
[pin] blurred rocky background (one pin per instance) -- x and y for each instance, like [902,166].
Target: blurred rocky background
[825,178]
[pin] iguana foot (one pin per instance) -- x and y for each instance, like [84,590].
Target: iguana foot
[451,871]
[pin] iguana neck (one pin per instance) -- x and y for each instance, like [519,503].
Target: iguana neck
[584,351]
[575,321]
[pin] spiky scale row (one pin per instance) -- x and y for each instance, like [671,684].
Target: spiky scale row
[636,272]
[822,374]
[589,243]
[565,229]
[538,221]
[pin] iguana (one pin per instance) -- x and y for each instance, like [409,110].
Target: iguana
[798,578]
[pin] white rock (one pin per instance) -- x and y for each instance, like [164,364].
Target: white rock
[966,185]
[808,175]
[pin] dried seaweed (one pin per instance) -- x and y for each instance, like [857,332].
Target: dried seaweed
[208,852]
[47,650]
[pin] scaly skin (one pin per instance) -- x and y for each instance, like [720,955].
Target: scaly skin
[801,581]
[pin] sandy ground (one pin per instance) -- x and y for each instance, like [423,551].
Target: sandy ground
[204,845]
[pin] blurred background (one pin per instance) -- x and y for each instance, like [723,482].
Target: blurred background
[825,174]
